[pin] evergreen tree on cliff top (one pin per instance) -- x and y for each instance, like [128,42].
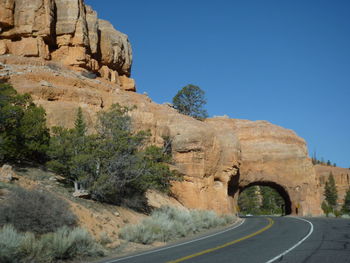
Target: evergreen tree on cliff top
[190,101]
[330,191]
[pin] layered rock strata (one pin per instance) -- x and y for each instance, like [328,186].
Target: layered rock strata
[341,177]
[69,32]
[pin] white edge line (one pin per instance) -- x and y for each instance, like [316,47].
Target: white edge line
[177,245]
[297,244]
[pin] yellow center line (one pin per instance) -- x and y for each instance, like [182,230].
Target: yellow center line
[224,245]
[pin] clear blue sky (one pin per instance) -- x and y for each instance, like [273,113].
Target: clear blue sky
[287,62]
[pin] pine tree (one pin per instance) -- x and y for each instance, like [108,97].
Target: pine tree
[346,205]
[190,100]
[330,191]
[23,132]
[272,201]
[248,201]
[79,124]
[114,164]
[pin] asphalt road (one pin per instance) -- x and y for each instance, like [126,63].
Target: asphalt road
[261,239]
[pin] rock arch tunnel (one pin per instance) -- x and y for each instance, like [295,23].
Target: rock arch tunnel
[279,189]
[298,198]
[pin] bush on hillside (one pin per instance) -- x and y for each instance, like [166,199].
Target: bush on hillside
[35,211]
[63,244]
[10,242]
[114,164]
[168,223]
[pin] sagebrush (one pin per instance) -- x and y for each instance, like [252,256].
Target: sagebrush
[63,244]
[168,223]
[36,211]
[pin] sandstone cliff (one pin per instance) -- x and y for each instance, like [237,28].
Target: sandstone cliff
[275,157]
[69,32]
[218,157]
[341,177]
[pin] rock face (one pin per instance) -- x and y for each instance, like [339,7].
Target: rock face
[42,40]
[69,32]
[341,177]
[275,157]
[218,157]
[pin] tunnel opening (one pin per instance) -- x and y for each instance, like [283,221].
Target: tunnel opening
[264,198]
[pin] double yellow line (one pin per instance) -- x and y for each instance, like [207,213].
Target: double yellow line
[226,244]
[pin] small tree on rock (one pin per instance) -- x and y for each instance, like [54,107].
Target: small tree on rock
[190,101]
[330,192]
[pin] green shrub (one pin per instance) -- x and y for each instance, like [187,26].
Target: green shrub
[331,215]
[32,249]
[68,243]
[10,242]
[326,208]
[63,244]
[38,212]
[337,213]
[104,239]
[229,218]
[168,223]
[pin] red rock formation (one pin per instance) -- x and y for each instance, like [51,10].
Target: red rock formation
[69,32]
[276,157]
[341,177]
[218,157]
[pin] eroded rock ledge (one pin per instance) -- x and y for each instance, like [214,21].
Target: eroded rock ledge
[69,32]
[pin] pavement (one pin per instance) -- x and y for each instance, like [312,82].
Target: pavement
[260,239]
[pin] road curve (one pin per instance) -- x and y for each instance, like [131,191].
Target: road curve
[261,239]
[329,243]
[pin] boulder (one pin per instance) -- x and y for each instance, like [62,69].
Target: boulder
[115,48]
[127,84]
[6,173]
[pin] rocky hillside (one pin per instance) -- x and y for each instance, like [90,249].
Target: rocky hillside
[43,42]
[103,221]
